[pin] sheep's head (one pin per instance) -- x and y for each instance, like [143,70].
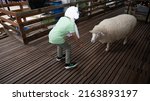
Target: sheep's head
[96,35]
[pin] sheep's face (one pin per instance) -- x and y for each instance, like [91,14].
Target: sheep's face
[94,37]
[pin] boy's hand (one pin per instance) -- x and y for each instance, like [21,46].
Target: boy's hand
[73,37]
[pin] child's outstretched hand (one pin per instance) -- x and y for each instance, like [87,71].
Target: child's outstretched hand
[72,37]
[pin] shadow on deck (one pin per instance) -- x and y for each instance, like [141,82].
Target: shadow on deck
[35,63]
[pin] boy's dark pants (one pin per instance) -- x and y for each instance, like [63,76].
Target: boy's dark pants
[67,48]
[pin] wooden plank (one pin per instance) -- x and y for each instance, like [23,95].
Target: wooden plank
[25,71]
[40,10]
[7,12]
[144,77]
[10,27]
[14,4]
[22,65]
[9,21]
[41,19]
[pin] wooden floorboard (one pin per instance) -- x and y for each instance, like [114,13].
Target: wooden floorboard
[35,63]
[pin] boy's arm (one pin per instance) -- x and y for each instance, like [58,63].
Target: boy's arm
[75,38]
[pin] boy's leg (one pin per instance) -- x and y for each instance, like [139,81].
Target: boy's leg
[59,51]
[60,54]
[68,53]
[68,62]
[67,48]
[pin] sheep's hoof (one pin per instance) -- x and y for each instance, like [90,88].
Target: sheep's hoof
[125,42]
[106,49]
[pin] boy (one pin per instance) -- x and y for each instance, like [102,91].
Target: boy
[65,28]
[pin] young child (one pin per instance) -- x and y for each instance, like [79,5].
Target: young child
[65,28]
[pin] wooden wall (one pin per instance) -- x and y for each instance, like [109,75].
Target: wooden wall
[26,29]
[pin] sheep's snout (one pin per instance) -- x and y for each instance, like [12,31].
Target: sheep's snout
[93,41]
[94,37]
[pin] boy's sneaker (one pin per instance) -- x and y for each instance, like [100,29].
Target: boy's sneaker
[71,65]
[60,58]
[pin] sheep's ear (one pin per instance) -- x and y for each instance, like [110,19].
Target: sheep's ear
[102,34]
[91,31]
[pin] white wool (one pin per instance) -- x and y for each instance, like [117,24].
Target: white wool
[115,28]
[73,13]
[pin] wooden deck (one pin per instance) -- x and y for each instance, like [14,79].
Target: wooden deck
[35,63]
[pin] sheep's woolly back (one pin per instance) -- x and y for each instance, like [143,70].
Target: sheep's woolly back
[115,28]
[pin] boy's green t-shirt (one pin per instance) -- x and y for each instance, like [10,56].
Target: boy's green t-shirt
[62,28]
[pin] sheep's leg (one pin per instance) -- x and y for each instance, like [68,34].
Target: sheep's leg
[125,41]
[107,47]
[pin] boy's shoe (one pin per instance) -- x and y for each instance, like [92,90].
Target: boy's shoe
[71,65]
[60,58]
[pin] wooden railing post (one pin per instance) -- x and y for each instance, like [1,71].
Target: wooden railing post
[90,9]
[21,8]
[21,30]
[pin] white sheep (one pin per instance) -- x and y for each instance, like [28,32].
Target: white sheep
[112,29]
